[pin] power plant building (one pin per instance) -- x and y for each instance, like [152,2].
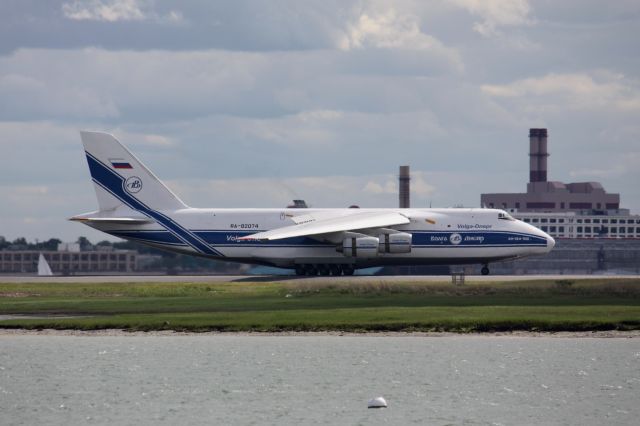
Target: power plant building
[593,234]
[564,210]
[545,196]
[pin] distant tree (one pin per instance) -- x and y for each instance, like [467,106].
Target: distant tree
[50,244]
[85,244]
[104,243]
[3,243]
[22,241]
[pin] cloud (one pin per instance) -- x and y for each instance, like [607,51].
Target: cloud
[388,185]
[97,84]
[116,10]
[393,30]
[387,30]
[35,96]
[272,101]
[596,90]
[318,191]
[495,14]
[619,166]
[103,10]
[421,185]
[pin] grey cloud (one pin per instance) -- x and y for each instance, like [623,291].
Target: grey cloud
[239,25]
[160,85]
[300,98]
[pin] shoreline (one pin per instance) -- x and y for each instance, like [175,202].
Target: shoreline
[8,332]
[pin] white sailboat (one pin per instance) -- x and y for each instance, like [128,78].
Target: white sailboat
[43,267]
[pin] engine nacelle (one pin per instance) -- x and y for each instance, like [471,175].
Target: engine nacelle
[399,242]
[360,247]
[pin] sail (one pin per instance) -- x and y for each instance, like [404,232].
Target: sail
[43,266]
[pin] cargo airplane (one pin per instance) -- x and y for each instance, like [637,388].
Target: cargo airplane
[135,205]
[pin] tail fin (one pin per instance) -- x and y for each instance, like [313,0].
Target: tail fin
[120,179]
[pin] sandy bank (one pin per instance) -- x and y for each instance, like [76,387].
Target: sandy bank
[164,333]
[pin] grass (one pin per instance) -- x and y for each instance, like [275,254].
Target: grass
[543,305]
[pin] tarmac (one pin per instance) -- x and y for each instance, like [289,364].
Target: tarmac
[88,279]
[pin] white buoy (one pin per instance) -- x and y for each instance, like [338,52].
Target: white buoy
[378,402]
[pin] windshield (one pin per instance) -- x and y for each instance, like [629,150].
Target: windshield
[505,216]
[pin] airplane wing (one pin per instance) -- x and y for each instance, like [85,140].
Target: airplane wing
[351,222]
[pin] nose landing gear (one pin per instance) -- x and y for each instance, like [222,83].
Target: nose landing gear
[485,269]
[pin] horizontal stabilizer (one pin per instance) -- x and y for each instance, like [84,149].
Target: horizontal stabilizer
[115,220]
[350,222]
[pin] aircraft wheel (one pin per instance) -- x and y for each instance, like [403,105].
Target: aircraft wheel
[323,270]
[300,270]
[335,270]
[311,270]
[348,270]
[485,270]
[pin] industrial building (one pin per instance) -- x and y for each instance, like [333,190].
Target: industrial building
[593,234]
[551,196]
[565,210]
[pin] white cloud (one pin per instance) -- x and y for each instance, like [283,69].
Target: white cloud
[596,90]
[387,187]
[496,14]
[103,10]
[421,185]
[392,30]
[387,30]
[116,10]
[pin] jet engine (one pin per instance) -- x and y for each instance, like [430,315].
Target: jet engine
[399,242]
[360,246]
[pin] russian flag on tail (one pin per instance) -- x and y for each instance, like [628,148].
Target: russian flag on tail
[119,163]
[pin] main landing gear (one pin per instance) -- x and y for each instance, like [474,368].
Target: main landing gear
[325,270]
[485,270]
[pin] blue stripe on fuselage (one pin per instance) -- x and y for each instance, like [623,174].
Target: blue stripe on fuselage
[114,184]
[420,239]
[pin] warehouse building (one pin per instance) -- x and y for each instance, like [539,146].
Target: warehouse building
[69,260]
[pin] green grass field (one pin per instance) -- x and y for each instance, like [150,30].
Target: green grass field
[542,305]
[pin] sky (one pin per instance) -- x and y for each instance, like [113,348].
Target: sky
[255,103]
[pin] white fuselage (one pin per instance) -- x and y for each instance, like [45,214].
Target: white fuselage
[438,236]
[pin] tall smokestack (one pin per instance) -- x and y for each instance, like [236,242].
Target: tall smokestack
[538,155]
[404,179]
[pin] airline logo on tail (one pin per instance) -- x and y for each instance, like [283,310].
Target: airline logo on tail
[133,184]
[119,163]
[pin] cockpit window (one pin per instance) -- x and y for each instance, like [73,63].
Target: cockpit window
[505,216]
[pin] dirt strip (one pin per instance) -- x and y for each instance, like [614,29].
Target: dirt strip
[163,333]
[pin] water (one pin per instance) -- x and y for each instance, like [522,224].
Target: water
[292,380]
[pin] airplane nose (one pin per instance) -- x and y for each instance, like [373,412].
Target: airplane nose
[551,243]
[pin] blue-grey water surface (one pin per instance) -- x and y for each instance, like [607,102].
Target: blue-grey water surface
[318,379]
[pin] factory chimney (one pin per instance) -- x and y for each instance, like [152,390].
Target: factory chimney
[538,155]
[404,179]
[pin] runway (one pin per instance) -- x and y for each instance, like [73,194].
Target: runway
[469,279]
